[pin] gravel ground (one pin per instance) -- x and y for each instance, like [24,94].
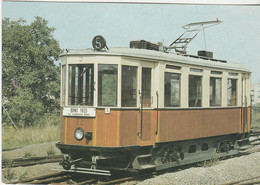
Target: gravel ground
[34,150]
[225,171]
[236,168]
[29,171]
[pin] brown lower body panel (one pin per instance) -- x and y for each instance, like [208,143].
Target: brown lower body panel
[191,124]
[121,127]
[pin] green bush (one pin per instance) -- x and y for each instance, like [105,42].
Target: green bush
[31,79]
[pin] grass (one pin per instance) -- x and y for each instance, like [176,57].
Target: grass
[12,138]
[51,151]
[209,163]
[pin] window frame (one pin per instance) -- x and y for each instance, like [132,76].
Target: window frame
[136,85]
[221,91]
[76,77]
[228,105]
[63,93]
[201,83]
[180,82]
[151,90]
[98,83]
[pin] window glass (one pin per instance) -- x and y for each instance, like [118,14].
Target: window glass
[63,84]
[232,74]
[107,85]
[129,92]
[195,91]
[196,70]
[216,72]
[173,67]
[215,91]
[146,86]
[81,84]
[232,92]
[171,90]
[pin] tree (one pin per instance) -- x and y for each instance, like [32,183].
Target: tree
[30,76]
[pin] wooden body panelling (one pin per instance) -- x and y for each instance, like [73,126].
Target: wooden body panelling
[191,124]
[245,112]
[128,127]
[62,128]
[75,122]
[106,128]
[120,127]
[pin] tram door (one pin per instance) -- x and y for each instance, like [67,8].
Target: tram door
[146,114]
[244,104]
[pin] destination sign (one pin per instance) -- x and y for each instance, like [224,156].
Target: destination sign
[79,111]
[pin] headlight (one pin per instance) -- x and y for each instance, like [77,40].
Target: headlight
[79,134]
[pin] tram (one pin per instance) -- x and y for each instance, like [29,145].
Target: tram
[142,108]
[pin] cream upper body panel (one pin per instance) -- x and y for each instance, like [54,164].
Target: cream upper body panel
[158,61]
[155,56]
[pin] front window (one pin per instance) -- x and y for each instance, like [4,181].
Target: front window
[63,84]
[107,85]
[171,90]
[129,85]
[81,84]
[215,91]
[232,92]
[195,91]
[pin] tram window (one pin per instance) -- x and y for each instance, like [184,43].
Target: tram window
[216,72]
[146,86]
[232,74]
[129,84]
[173,67]
[215,91]
[196,70]
[195,91]
[107,85]
[171,90]
[232,92]
[81,84]
[63,84]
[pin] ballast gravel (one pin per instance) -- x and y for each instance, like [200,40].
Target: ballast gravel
[221,172]
[225,171]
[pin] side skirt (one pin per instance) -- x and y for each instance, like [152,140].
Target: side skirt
[172,154]
[195,158]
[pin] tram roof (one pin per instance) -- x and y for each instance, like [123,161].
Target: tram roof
[157,56]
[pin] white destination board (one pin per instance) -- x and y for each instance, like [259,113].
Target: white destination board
[82,111]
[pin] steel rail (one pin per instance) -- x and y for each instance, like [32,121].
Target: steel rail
[37,178]
[242,181]
[30,161]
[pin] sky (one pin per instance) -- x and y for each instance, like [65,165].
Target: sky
[237,39]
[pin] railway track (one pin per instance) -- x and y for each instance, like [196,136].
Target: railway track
[30,161]
[255,138]
[45,179]
[247,181]
[74,178]
[254,134]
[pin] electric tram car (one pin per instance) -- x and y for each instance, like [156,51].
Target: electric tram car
[140,108]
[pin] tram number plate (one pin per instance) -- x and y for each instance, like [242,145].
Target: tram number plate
[74,111]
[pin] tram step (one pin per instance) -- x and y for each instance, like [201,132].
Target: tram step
[242,142]
[143,162]
[245,147]
[256,143]
[84,170]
